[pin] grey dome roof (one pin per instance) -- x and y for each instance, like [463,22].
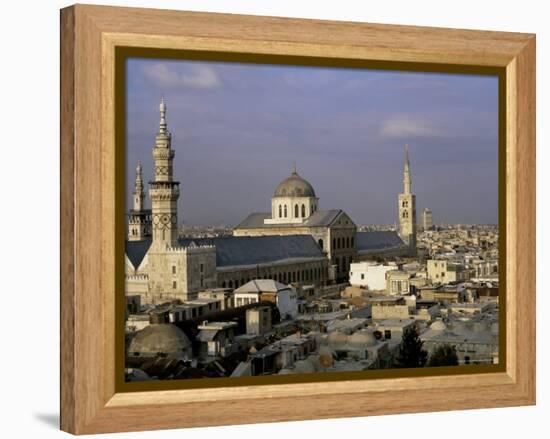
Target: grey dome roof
[294,186]
[362,338]
[438,325]
[337,338]
[163,338]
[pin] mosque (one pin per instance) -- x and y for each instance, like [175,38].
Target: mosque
[297,242]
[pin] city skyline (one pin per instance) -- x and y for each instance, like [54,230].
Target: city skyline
[351,150]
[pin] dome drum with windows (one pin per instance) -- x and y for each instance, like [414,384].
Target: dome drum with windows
[293,201]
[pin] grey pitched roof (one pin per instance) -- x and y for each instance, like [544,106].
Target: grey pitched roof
[255,250]
[262,285]
[254,220]
[371,241]
[136,251]
[317,219]
[322,217]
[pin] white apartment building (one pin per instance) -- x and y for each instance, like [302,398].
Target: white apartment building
[370,275]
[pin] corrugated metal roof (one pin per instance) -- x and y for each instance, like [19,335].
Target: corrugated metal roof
[322,217]
[369,241]
[254,250]
[254,220]
[242,250]
[317,219]
[262,286]
[234,251]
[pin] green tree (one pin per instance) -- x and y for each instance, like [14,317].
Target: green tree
[443,355]
[411,353]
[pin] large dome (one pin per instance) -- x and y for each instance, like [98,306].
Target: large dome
[294,186]
[163,338]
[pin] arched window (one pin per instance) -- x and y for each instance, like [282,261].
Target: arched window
[223,284]
[320,242]
[280,211]
[285,210]
[303,211]
[230,284]
[295,211]
[333,242]
[347,242]
[338,243]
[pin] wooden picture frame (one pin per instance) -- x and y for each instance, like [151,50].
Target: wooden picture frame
[90,36]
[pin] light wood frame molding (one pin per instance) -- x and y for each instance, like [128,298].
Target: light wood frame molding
[89,35]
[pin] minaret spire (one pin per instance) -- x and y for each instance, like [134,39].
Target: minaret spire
[139,218]
[406,172]
[294,171]
[162,124]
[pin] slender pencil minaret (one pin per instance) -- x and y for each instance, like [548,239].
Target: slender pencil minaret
[407,207]
[139,218]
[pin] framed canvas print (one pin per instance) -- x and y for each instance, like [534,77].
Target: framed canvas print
[318,219]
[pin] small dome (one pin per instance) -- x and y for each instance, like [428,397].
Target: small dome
[303,366]
[362,338]
[481,327]
[136,375]
[315,361]
[337,338]
[438,325]
[325,359]
[294,186]
[164,338]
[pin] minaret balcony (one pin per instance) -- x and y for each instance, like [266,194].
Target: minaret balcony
[163,153]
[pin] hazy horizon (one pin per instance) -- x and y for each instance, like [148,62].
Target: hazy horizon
[237,129]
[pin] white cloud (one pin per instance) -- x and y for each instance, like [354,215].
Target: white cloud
[406,126]
[198,77]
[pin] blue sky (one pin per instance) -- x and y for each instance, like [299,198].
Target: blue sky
[238,128]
